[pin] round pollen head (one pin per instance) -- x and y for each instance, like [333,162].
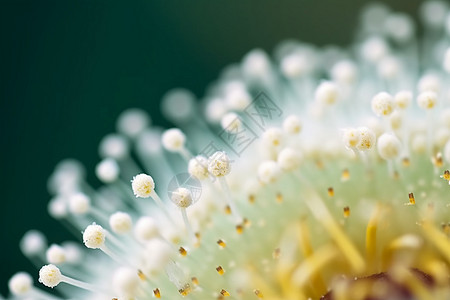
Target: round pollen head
[20,284]
[120,222]
[142,185]
[173,140]
[219,164]
[94,236]
[50,276]
[182,197]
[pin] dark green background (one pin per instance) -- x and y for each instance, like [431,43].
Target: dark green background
[69,67]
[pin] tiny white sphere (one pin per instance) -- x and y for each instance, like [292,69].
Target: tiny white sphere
[126,282]
[219,164]
[94,236]
[256,64]
[429,82]
[182,197]
[142,185]
[50,275]
[367,139]
[289,159]
[237,99]
[268,171]
[433,13]
[79,204]
[427,100]
[215,110]
[344,72]
[107,170]
[20,284]
[327,93]
[402,99]
[292,124]
[388,146]
[351,137]
[446,63]
[33,243]
[396,120]
[120,222]
[55,254]
[382,104]
[374,49]
[149,142]
[198,167]
[273,137]
[114,146]
[295,65]
[132,122]
[178,105]
[73,252]
[447,152]
[57,208]
[146,229]
[400,27]
[231,122]
[389,67]
[156,257]
[173,140]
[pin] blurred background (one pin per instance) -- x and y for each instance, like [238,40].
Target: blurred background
[70,67]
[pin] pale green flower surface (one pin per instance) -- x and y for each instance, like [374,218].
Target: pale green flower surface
[312,173]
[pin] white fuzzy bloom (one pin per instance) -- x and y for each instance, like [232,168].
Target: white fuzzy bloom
[198,167]
[107,170]
[178,105]
[132,122]
[114,146]
[142,185]
[351,137]
[446,63]
[20,284]
[396,120]
[344,72]
[295,65]
[173,140]
[327,93]
[146,229]
[149,142]
[273,137]
[57,208]
[33,243]
[50,275]
[256,64]
[94,236]
[292,124]
[374,49]
[231,122]
[182,197]
[402,99]
[433,13]
[367,139]
[427,100]
[389,67]
[268,171]
[125,282]
[79,204]
[389,146]
[419,143]
[429,82]
[289,159]
[219,164]
[237,99]
[215,110]
[382,104]
[73,252]
[400,27]
[55,254]
[120,222]
[156,257]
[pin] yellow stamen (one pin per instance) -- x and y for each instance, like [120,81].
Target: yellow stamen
[182,251]
[224,293]
[412,200]
[279,198]
[438,238]
[321,213]
[157,293]
[345,175]
[220,270]
[406,162]
[228,210]
[258,294]
[346,212]
[221,244]
[194,280]
[239,228]
[371,239]
[330,192]
[141,275]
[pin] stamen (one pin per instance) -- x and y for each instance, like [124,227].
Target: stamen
[157,293]
[346,212]
[371,239]
[330,192]
[412,200]
[220,270]
[224,293]
[258,294]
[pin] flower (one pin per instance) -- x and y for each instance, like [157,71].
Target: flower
[332,184]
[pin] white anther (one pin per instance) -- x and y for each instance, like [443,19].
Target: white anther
[198,167]
[367,139]
[427,100]
[120,222]
[142,185]
[114,146]
[94,236]
[327,93]
[382,104]
[79,203]
[50,276]
[132,122]
[231,122]
[107,170]
[146,229]
[268,171]
[292,124]
[388,146]
[219,164]
[20,284]
[55,254]
[182,197]
[289,159]
[173,140]
[402,99]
